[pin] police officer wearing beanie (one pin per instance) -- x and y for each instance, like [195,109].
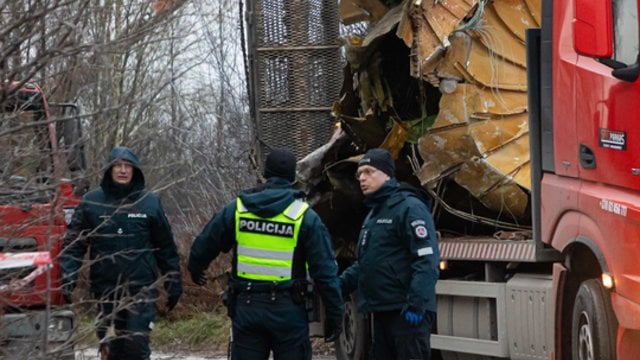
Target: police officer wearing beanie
[129,239]
[397,263]
[277,242]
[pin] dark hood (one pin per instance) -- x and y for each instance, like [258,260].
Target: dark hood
[137,182]
[271,198]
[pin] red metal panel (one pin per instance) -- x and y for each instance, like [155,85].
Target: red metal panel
[628,346]
[49,238]
[608,109]
[594,109]
[564,95]
[591,18]
[15,217]
[627,312]
[612,221]
[558,210]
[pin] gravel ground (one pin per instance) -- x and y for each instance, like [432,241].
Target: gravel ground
[322,351]
[92,354]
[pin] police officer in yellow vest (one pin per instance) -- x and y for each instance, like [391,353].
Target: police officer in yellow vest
[278,243]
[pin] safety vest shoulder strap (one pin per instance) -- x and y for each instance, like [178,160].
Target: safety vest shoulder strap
[294,211]
[240,206]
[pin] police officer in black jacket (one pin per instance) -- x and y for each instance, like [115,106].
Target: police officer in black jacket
[129,239]
[397,266]
[275,238]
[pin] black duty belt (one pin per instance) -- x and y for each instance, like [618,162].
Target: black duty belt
[261,287]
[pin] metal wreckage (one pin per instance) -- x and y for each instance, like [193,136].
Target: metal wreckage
[443,86]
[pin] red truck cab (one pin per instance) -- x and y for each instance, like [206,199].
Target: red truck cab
[34,197]
[590,188]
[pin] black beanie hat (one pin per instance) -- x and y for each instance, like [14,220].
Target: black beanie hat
[281,163]
[380,159]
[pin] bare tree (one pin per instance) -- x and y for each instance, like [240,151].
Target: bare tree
[162,77]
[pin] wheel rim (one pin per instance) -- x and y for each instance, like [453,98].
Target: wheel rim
[347,340]
[585,338]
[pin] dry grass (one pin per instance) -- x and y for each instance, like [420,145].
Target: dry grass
[202,331]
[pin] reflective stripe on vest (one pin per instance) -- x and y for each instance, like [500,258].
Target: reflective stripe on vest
[266,245]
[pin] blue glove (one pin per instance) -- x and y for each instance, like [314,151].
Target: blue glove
[414,319]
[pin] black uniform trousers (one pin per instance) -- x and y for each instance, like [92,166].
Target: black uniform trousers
[269,321]
[132,317]
[394,338]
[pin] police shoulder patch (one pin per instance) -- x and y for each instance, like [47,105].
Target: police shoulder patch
[421,231]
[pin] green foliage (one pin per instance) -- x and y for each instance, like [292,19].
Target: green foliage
[419,127]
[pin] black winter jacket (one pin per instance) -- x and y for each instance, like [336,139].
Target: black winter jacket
[314,241]
[127,233]
[398,256]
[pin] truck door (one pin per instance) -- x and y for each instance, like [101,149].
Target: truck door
[607,113]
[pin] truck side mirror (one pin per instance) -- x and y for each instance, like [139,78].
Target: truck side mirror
[628,73]
[593,28]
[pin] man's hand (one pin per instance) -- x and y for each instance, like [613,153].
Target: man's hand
[172,301]
[67,293]
[413,318]
[199,278]
[173,287]
[343,288]
[332,329]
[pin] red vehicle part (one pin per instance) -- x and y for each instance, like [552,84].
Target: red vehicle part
[31,207]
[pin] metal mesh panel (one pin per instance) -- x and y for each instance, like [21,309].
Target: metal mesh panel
[296,22]
[292,80]
[300,131]
[297,71]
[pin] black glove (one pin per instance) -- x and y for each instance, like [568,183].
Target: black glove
[198,278]
[332,329]
[172,301]
[67,293]
[343,288]
[173,286]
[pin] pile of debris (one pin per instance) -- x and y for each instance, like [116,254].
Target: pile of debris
[442,85]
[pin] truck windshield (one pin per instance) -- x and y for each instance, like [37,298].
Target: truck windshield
[25,165]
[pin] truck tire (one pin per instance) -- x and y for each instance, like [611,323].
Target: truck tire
[593,325]
[355,340]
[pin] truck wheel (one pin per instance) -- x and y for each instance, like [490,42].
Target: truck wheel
[594,326]
[355,340]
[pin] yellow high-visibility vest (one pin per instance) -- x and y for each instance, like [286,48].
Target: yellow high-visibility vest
[266,245]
